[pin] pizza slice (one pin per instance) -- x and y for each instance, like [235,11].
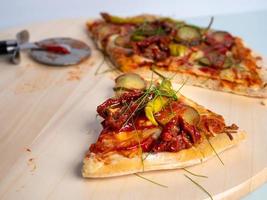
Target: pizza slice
[154,128]
[207,58]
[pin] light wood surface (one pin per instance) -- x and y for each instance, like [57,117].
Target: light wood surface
[48,120]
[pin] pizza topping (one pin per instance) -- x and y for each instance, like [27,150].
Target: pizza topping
[155,106]
[228,74]
[189,35]
[129,82]
[231,129]
[150,29]
[178,50]
[212,124]
[154,47]
[154,52]
[122,20]
[116,111]
[176,108]
[216,59]
[145,145]
[177,135]
[209,70]
[204,61]
[122,41]
[137,37]
[220,39]
[152,119]
[124,141]
[191,115]
[228,62]
[163,95]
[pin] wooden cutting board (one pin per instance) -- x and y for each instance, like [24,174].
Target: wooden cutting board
[48,120]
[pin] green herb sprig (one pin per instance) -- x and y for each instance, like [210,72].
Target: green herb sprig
[199,186]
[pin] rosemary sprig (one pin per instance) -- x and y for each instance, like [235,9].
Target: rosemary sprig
[194,174]
[151,181]
[198,185]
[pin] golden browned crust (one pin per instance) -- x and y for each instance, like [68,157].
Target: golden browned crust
[206,82]
[120,165]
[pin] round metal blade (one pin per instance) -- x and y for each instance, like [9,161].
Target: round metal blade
[79,52]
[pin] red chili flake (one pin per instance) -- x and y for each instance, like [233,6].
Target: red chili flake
[55,49]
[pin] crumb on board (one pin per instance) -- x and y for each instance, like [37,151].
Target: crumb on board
[20,188]
[263,102]
[75,74]
[31,163]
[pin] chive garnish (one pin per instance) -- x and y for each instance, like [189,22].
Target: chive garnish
[106,60]
[201,187]
[194,174]
[214,150]
[151,181]
[139,146]
[100,65]
[210,24]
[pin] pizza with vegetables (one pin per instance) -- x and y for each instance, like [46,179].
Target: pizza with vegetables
[204,57]
[153,127]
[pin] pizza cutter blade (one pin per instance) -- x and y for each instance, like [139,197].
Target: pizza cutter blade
[53,51]
[79,51]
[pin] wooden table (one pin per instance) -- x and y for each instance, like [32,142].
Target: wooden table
[48,121]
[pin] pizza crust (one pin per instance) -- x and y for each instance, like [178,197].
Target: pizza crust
[206,82]
[118,165]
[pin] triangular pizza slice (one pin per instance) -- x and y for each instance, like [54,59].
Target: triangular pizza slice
[153,127]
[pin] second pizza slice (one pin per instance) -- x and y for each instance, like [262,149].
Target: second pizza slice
[206,57]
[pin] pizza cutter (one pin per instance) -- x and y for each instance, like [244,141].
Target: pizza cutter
[61,51]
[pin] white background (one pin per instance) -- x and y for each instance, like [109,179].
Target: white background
[20,12]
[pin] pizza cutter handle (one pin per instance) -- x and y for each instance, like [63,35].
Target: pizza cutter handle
[8,47]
